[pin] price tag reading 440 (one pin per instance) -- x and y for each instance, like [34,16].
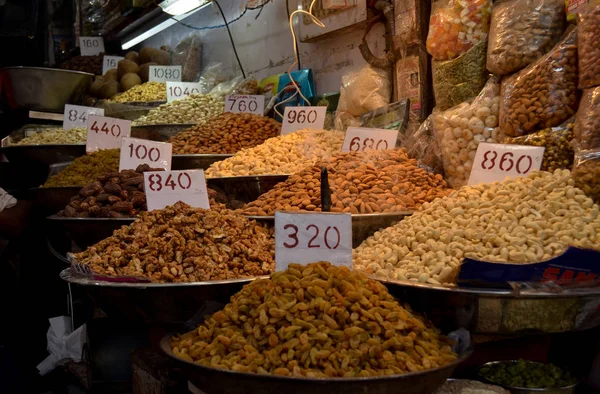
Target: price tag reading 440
[110,62]
[310,237]
[297,118]
[166,188]
[361,139]
[106,133]
[496,162]
[165,73]
[91,46]
[77,115]
[241,103]
[180,90]
[135,152]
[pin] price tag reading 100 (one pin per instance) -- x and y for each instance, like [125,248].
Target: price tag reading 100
[166,188]
[135,152]
[297,118]
[77,115]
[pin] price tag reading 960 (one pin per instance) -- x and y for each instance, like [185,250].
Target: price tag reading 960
[496,162]
[310,237]
[241,103]
[297,118]
[362,139]
[135,152]
[180,90]
[106,133]
[91,46]
[165,73]
[110,62]
[77,115]
[166,188]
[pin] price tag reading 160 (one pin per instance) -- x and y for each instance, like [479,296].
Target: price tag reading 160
[496,162]
[297,118]
[166,188]
[135,152]
[106,133]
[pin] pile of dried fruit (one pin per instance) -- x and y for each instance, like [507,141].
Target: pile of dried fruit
[149,91]
[86,169]
[317,320]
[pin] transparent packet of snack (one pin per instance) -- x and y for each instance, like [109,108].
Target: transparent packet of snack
[421,144]
[588,36]
[587,121]
[586,172]
[188,55]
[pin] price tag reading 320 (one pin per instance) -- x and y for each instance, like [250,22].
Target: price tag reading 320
[77,115]
[106,133]
[496,162]
[135,152]
[310,237]
[241,103]
[361,139]
[297,118]
[164,73]
[166,188]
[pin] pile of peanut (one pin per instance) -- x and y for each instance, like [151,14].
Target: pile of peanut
[280,155]
[184,244]
[77,135]
[227,133]
[524,220]
[316,320]
[194,109]
[360,182]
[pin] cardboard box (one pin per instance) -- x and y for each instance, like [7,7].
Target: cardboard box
[413,81]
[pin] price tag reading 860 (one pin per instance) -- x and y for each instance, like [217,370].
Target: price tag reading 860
[297,118]
[496,162]
[361,139]
[135,152]
[77,115]
[106,133]
[242,103]
[166,188]
[310,237]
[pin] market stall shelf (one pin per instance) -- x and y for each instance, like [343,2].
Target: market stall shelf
[196,161]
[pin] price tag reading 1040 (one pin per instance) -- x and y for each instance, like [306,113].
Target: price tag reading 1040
[297,118]
[181,90]
[361,139]
[135,152]
[106,133]
[77,115]
[166,188]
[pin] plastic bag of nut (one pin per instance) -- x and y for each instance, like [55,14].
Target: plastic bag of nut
[188,55]
[587,121]
[423,146]
[588,32]
[586,173]
[460,129]
[544,94]
[522,31]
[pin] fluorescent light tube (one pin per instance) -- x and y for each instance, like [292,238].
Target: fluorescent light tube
[179,7]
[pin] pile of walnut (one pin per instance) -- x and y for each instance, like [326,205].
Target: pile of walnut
[184,244]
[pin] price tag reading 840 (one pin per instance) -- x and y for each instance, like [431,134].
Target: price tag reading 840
[165,73]
[180,90]
[166,188]
[361,139]
[241,103]
[496,162]
[297,118]
[135,152]
[91,46]
[106,133]
[77,115]
[110,62]
[310,237]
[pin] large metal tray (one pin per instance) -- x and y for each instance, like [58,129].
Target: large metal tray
[241,190]
[196,161]
[86,232]
[220,381]
[158,132]
[53,199]
[39,154]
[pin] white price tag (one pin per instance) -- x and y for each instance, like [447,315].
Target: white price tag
[167,188]
[91,46]
[180,90]
[77,115]
[106,133]
[311,237]
[297,118]
[165,73]
[110,62]
[135,152]
[241,103]
[361,139]
[496,162]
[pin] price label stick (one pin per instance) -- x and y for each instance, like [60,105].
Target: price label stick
[167,188]
[106,133]
[165,73]
[77,115]
[240,103]
[297,118]
[496,162]
[361,139]
[181,90]
[91,46]
[325,191]
[110,63]
[135,152]
[309,237]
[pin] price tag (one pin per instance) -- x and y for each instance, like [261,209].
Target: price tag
[496,162]
[180,90]
[361,139]
[166,188]
[106,133]
[241,103]
[310,237]
[135,152]
[165,73]
[297,118]
[110,62]
[91,46]
[77,115]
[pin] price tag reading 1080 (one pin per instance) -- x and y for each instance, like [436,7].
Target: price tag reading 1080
[166,188]
[310,237]
[77,115]
[297,118]
[165,73]
[135,152]
[106,133]
[361,139]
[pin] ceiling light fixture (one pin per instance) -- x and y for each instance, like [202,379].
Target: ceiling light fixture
[180,7]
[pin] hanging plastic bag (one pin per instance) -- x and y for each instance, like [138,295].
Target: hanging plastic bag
[211,76]
[247,86]
[422,145]
[587,121]
[588,32]
[364,90]
[586,173]
[188,55]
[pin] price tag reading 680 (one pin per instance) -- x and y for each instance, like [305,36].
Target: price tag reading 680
[361,139]
[310,237]
[166,188]
[135,152]
[297,118]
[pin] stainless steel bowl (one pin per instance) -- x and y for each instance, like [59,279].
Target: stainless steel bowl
[524,390]
[43,89]
[158,132]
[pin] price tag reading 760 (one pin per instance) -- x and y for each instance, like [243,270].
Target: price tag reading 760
[297,118]
[242,103]
[166,188]
[135,152]
[310,237]
[361,139]
[106,133]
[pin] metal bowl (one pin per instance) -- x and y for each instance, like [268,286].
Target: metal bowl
[196,161]
[53,199]
[241,190]
[43,89]
[524,390]
[158,132]
[221,381]
[86,232]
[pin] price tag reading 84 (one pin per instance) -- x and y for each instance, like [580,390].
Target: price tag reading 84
[135,152]
[241,103]
[496,162]
[297,118]
[166,188]
[77,115]
[310,237]
[361,139]
[165,73]
[106,133]
[180,90]
[110,62]
[91,46]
